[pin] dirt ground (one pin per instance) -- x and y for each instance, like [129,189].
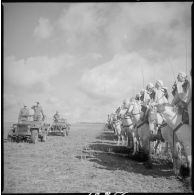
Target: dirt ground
[88,160]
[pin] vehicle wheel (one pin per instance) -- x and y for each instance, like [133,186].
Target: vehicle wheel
[67,132]
[34,136]
[64,132]
[9,138]
[44,138]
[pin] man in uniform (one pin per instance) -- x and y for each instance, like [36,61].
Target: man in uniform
[23,114]
[38,112]
[56,116]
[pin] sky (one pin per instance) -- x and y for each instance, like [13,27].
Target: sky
[84,59]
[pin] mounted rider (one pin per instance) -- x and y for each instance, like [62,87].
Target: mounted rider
[148,98]
[142,95]
[181,90]
[135,108]
[189,101]
[149,94]
[161,93]
[160,97]
[23,114]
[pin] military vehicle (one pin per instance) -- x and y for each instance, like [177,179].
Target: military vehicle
[28,131]
[60,127]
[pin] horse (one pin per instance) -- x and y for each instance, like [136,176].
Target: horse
[180,130]
[127,125]
[144,132]
[136,114]
[110,124]
[155,123]
[117,129]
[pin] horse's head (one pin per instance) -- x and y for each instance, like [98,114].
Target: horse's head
[152,114]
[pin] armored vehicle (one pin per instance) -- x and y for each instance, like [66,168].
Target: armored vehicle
[29,131]
[60,127]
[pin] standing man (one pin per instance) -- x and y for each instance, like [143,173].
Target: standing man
[56,116]
[38,112]
[23,114]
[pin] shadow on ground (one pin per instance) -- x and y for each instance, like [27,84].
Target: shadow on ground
[107,155]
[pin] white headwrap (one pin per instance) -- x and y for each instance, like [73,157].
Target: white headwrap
[183,74]
[150,85]
[160,82]
[125,101]
[142,91]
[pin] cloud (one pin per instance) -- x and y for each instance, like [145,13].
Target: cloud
[44,29]
[34,73]
[80,19]
[10,101]
[117,27]
[125,75]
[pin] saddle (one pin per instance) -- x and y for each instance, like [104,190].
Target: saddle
[158,135]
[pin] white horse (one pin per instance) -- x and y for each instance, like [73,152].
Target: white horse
[155,123]
[136,114]
[144,132]
[111,122]
[182,131]
[118,130]
[127,125]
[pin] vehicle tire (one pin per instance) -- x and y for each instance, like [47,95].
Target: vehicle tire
[67,132]
[9,138]
[44,138]
[34,136]
[64,132]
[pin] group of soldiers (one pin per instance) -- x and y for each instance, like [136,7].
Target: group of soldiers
[158,94]
[38,115]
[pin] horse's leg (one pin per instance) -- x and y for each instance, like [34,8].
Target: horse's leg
[118,141]
[129,139]
[124,136]
[156,146]
[166,148]
[175,158]
[146,150]
[134,143]
[123,139]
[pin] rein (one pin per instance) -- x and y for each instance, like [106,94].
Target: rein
[141,124]
[163,125]
[136,113]
[127,125]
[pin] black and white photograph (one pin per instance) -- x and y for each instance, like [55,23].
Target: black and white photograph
[97,97]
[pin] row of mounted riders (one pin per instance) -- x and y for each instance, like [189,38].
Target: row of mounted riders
[32,131]
[177,133]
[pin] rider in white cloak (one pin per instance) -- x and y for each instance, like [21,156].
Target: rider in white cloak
[161,94]
[181,93]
